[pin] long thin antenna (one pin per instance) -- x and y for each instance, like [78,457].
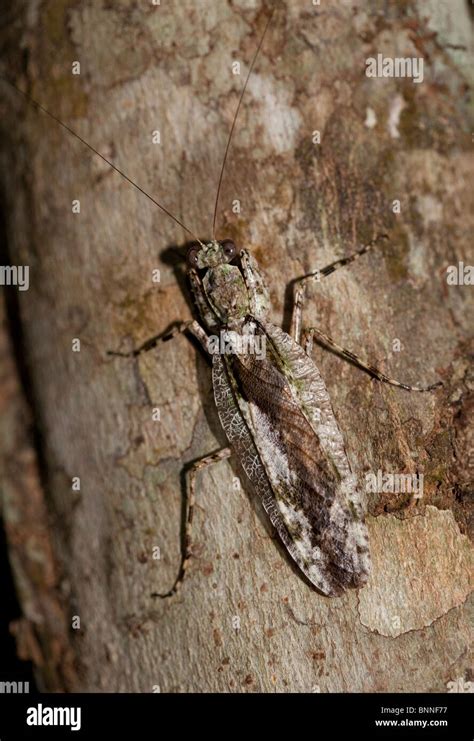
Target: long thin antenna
[122,174]
[234,122]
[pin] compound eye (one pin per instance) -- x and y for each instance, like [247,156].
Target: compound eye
[192,255]
[229,248]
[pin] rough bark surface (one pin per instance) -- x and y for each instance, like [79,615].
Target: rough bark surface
[245,620]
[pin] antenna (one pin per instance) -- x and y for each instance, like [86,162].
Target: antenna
[234,121]
[89,146]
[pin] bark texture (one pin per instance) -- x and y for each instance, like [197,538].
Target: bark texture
[245,621]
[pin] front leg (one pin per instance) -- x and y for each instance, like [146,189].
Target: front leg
[191,326]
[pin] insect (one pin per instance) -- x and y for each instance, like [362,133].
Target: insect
[273,404]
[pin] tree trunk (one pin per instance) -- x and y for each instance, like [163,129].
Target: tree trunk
[392,155]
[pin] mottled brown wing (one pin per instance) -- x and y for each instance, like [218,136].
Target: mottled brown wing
[308,504]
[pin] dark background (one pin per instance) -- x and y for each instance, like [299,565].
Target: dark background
[11,667]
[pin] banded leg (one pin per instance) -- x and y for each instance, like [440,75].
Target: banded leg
[191,326]
[186,551]
[300,283]
[308,345]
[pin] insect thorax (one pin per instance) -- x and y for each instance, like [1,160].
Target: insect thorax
[228,295]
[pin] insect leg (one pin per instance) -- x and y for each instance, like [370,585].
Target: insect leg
[333,266]
[370,369]
[300,283]
[191,474]
[257,290]
[191,326]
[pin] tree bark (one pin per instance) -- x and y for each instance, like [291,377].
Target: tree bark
[85,561]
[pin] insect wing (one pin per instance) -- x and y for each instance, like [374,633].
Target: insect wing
[278,417]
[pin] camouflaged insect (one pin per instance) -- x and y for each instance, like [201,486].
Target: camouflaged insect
[278,418]
[273,405]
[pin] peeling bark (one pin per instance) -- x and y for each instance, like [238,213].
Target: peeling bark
[244,621]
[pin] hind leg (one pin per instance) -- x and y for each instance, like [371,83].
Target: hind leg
[186,545]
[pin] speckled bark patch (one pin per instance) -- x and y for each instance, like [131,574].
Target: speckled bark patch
[410,592]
